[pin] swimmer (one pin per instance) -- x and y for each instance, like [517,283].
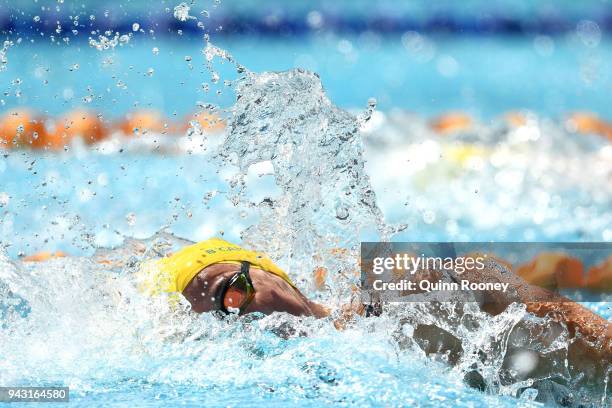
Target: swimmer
[217,276]
[221,277]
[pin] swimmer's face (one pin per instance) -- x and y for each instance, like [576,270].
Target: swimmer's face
[272,293]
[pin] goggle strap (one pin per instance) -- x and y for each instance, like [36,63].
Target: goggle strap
[244,267]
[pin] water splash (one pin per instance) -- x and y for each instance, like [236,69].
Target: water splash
[104,329]
[3,51]
[181,12]
[82,321]
[106,42]
[502,181]
[285,121]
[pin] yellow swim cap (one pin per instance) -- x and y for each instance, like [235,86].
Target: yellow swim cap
[173,274]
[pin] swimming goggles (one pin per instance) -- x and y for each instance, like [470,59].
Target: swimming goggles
[238,291]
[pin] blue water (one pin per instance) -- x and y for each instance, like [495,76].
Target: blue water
[112,354]
[263,369]
[302,17]
[485,76]
[83,199]
[113,351]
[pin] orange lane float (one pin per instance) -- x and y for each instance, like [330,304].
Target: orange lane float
[43,256]
[140,123]
[453,122]
[24,128]
[77,124]
[553,270]
[21,128]
[588,123]
[84,124]
[599,277]
[515,119]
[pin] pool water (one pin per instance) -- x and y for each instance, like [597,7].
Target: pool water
[114,346]
[424,74]
[298,176]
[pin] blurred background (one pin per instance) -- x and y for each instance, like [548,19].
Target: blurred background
[482,57]
[520,87]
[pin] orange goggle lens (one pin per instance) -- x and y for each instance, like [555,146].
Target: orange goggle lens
[238,293]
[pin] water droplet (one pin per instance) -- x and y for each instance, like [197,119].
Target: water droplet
[314,19]
[135,27]
[544,45]
[155,50]
[181,12]
[233,310]
[36,19]
[187,58]
[131,219]
[589,33]
[4,199]
[342,213]
[429,216]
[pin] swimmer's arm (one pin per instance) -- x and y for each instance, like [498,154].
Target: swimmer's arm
[594,331]
[590,348]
